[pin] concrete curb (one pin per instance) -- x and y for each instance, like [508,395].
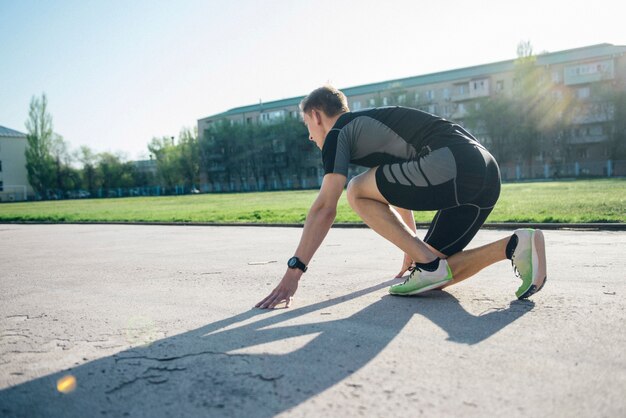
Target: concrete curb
[617,226]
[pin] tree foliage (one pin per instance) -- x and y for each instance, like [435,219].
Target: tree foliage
[537,116]
[39,160]
[258,154]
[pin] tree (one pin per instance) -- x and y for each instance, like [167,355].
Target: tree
[168,160]
[617,131]
[243,154]
[189,156]
[39,162]
[88,174]
[609,107]
[66,177]
[301,151]
[495,117]
[113,173]
[529,89]
[530,119]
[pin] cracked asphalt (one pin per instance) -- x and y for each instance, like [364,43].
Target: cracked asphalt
[157,321]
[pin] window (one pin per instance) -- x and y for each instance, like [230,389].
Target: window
[430,94]
[592,68]
[596,130]
[1,186]
[432,109]
[478,87]
[417,97]
[278,114]
[446,94]
[372,102]
[0,166]
[583,92]
[402,99]
[356,105]
[500,85]
[385,101]
[556,77]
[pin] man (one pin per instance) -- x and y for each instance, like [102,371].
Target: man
[417,161]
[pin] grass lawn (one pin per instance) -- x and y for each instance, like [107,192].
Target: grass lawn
[559,201]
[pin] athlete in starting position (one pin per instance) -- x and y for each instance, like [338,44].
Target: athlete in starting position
[417,161]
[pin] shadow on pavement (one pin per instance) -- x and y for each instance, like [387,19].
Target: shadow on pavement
[462,327]
[210,371]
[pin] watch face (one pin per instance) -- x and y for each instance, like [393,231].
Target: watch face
[292,262]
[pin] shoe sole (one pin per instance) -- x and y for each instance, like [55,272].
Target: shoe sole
[538,260]
[423,289]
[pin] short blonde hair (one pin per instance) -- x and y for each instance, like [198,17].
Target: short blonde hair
[328,99]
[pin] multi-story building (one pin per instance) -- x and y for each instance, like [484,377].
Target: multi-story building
[14,184]
[454,93]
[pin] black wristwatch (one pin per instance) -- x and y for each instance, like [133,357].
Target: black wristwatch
[295,263]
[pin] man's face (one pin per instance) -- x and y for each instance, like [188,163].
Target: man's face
[314,125]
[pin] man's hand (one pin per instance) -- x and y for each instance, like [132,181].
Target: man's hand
[282,293]
[407,264]
[318,222]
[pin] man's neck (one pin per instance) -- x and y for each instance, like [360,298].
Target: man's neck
[328,123]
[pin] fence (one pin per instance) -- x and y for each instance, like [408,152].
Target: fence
[509,172]
[551,171]
[13,193]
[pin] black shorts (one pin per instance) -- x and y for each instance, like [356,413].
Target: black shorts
[460,181]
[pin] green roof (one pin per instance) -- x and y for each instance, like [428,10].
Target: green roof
[577,54]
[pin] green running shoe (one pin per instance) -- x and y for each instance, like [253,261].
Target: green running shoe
[529,261]
[421,280]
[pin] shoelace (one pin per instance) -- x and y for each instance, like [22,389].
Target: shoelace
[515,270]
[413,268]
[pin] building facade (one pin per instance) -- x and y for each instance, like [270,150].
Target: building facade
[453,94]
[14,184]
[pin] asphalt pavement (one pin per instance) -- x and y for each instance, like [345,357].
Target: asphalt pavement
[157,321]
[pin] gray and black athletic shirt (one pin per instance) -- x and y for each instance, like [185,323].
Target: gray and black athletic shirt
[385,135]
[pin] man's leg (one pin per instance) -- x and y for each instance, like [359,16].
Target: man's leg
[373,208]
[467,263]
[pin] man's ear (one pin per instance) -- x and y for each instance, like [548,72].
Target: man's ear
[317,116]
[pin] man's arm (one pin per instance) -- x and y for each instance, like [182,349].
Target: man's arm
[319,220]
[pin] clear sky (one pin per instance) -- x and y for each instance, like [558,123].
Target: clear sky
[118,73]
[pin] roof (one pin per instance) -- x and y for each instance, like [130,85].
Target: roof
[576,54]
[10,132]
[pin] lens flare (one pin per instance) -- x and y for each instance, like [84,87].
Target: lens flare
[66,384]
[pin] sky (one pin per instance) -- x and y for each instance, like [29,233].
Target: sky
[118,73]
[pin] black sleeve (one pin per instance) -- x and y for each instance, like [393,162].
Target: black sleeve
[335,153]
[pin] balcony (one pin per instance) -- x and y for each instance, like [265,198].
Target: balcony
[459,97]
[590,72]
[588,139]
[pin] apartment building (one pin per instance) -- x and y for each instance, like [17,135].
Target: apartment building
[452,94]
[14,184]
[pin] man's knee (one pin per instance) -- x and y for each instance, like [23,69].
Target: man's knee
[363,186]
[352,191]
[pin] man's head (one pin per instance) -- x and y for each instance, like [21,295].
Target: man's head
[320,110]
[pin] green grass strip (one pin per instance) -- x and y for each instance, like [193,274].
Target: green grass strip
[578,201]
